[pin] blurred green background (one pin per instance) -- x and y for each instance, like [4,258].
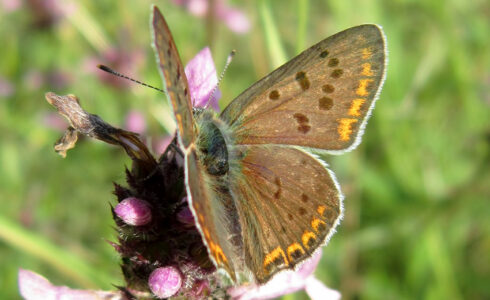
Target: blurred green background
[417,210]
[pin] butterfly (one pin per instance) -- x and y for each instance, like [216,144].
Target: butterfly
[262,201]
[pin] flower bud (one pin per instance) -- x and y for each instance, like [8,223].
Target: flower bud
[133,211]
[185,216]
[165,282]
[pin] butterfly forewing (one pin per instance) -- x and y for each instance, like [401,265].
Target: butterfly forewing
[213,209]
[215,215]
[288,203]
[173,76]
[320,99]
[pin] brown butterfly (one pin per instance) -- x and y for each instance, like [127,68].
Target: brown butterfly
[261,200]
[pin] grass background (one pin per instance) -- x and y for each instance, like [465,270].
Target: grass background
[417,189]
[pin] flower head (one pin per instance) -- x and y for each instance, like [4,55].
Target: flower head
[157,236]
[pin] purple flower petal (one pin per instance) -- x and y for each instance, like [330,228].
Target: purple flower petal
[202,78]
[133,211]
[318,291]
[197,8]
[281,284]
[308,267]
[235,19]
[185,216]
[286,282]
[165,282]
[33,286]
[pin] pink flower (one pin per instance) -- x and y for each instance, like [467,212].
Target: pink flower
[233,18]
[6,87]
[135,122]
[289,282]
[33,286]
[10,5]
[202,79]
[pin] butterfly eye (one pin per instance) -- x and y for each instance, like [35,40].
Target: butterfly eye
[197,111]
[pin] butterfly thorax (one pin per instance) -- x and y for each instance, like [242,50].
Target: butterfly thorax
[211,142]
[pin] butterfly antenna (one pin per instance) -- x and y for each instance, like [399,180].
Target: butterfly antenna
[228,62]
[111,71]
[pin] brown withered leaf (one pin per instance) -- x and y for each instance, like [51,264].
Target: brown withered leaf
[82,122]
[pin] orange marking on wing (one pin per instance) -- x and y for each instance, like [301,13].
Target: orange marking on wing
[366,70]
[166,75]
[206,233]
[306,237]
[366,53]
[355,107]
[200,217]
[315,223]
[321,209]
[362,89]
[179,122]
[273,255]
[217,253]
[345,129]
[293,248]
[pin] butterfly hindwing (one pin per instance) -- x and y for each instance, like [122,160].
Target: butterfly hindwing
[173,75]
[320,99]
[288,203]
